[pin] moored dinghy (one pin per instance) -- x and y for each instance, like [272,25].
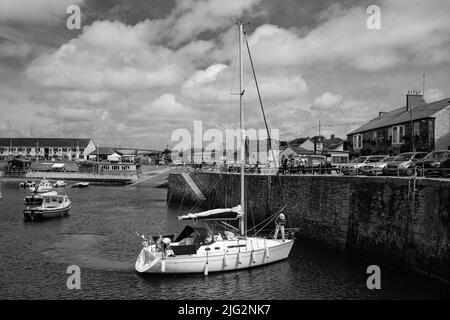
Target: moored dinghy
[52,206]
[59,184]
[43,187]
[80,185]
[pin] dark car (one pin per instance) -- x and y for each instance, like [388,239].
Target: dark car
[444,169]
[404,164]
[428,165]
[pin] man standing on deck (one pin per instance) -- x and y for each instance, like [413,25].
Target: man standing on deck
[280,221]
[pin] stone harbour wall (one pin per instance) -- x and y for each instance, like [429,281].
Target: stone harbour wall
[389,220]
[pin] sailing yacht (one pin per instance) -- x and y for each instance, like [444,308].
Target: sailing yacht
[203,250]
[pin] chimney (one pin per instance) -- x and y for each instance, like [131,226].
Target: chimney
[413,98]
[332,136]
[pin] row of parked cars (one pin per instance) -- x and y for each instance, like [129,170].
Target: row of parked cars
[436,163]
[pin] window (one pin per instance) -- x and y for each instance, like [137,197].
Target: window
[374,135]
[398,133]
[357,141]
[431,133]
[417,128]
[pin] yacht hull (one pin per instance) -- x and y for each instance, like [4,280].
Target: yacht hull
[248,257]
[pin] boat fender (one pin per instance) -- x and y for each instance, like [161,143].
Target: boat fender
[253,256]
[205,271]
[239,257]
[267,249]
[225,261]
[163,266]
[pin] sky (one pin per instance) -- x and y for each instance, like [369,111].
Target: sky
[138,70]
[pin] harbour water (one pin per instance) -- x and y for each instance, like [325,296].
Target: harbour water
[99,237]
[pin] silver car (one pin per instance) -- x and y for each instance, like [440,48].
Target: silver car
[376,168]
[404,164]
[355,166]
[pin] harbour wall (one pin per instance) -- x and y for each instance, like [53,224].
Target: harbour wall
[388,220]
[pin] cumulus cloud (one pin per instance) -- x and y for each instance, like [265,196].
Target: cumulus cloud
[108,55]
[328,100]
[344,38]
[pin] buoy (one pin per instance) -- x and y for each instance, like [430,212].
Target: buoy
[163,266]
[267,249]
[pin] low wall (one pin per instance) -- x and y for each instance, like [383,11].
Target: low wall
[385,219]
[88,177]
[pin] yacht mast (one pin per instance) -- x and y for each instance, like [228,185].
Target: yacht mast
[241,107]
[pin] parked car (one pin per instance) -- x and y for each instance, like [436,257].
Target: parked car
[444,169]
[355,166]
[404,164]
[427,165]
[376,168]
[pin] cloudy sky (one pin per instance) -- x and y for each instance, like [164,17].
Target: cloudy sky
[139,69]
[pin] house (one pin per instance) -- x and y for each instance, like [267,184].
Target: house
[333,149]
[294,152]
[127,155]
[105,154]
[418,125]
[46,148]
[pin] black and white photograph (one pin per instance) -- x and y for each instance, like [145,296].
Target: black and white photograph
[224,155]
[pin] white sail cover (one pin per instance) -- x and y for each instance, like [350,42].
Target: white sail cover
[215,214]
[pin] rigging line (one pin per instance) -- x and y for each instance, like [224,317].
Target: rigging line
[233,63]
[264,116]
[182,199]
[219,83]
[197,204]
[270,218]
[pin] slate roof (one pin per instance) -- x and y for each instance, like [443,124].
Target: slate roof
[299,150]
[104,151]
[332,143]
[401,115]
[44,142]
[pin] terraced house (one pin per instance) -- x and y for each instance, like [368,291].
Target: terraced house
[418,125]
[46,148]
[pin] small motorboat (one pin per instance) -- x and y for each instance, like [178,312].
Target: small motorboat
[43,187]
[52,206]
[80,185]
[59,184]
[27,184]
[36,199]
